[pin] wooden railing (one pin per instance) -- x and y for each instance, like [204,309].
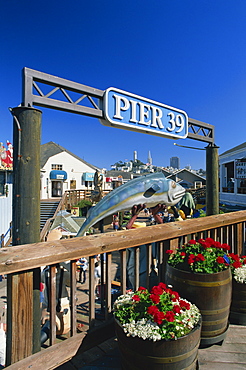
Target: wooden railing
[74,196]
[45,230]
[69,199]
[241,190]
[227,190]
[21,260]
[7,234]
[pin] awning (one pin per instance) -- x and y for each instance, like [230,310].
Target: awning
[87,176]
[241,159]
[58,175]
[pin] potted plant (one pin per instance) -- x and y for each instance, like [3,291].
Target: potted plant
[157,328]
[84,205]
[200,270]
[238,303]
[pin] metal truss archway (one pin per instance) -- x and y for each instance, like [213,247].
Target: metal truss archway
[44,90]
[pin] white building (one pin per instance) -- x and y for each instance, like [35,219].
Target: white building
[233,166]
[62,170]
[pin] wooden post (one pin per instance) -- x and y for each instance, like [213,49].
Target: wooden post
[2,241]
[23,314]
[212,180]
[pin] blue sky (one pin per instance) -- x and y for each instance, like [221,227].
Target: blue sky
[188,54]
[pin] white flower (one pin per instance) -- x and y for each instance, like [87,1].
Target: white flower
[240,274]
[144,329]
[140,317]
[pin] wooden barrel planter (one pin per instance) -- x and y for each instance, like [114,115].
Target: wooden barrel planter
[211,293]
[238,303]
[139,354]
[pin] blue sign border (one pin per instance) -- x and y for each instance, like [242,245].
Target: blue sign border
[135,113]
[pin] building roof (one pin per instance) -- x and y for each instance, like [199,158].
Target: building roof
[238,147]
[166,172]
[50,149]
[114,173]
[178,172]
[68,222]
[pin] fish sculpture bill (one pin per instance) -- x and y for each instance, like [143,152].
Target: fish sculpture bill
[149,189]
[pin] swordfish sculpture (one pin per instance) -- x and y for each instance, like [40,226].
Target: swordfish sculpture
[148,189]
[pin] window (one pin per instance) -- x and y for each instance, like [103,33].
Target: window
[72,184]
[2,183]
[228,177]
[56,167]
[198,184]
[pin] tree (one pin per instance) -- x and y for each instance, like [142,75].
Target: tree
[137,163]
[118,164]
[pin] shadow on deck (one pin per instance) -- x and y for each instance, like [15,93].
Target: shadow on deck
[230,355]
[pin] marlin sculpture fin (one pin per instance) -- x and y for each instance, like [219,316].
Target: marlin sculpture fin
[151,191]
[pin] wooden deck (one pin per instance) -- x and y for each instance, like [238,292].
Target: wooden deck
[230,355]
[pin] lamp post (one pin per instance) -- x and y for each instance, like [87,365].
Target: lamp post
[212,177]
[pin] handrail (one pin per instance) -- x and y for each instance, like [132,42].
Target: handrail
[75,196]
[227,228]
[3,236]
[48,222]
[41,253]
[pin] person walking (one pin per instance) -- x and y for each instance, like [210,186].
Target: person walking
[116,222]
[230,186]
[82,264]
[97,276]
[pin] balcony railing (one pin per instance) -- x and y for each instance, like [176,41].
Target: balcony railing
[73,197]
[22,266]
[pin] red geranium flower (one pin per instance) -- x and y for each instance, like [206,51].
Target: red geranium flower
[184,304]
[141,288]
[169,251]
[162,286]
[155,298]
[203,243]
[217,244]
[158,317]
[169,316]
[136,298]
[210,241]
[225,246]
[175,294]
[220,259]
[200,257]
[234,256]
[156,290]
[192,241]
[152,310]
[237,264]
[191,259]
[176,309]
[169,291]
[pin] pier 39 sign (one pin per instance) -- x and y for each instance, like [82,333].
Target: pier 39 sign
[132,112]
